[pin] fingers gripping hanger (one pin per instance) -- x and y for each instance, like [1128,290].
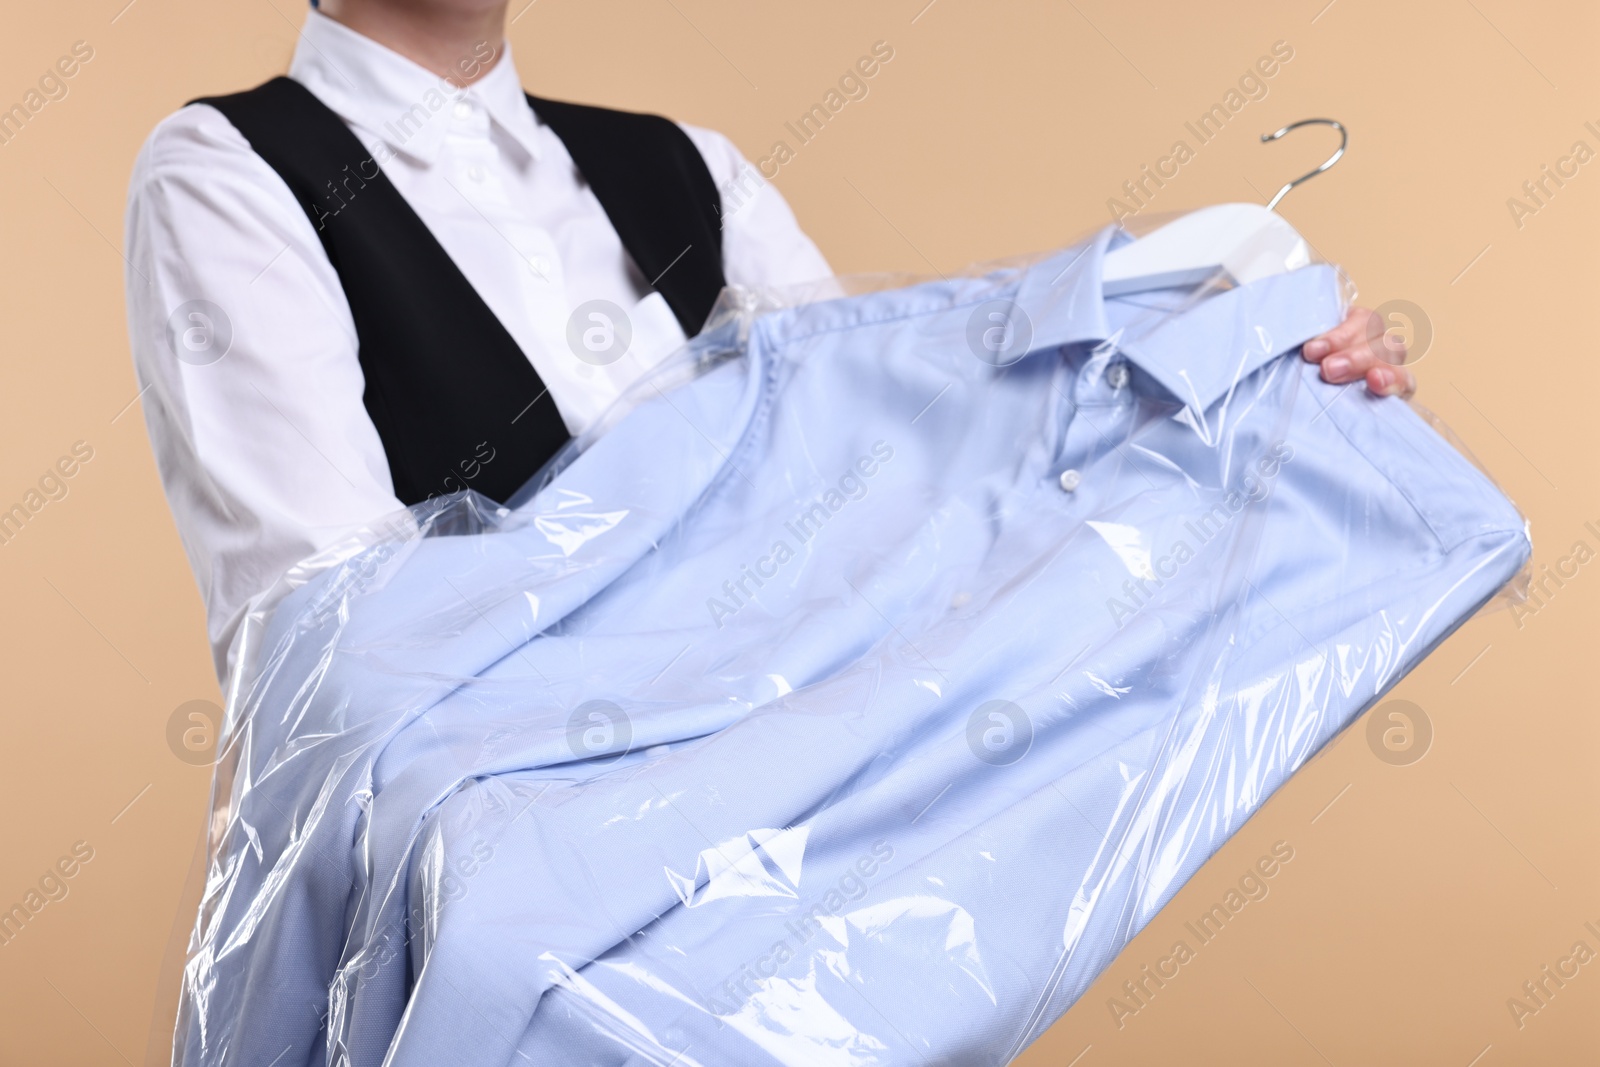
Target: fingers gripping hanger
[1344,142]
[1241,242]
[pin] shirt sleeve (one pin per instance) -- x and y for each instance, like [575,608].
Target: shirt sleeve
[245,350]
[762,244]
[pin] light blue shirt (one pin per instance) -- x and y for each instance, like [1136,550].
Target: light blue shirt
[916,658]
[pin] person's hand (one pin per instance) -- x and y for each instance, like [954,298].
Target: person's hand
[1360,348]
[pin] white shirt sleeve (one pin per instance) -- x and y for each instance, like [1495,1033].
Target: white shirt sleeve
[267,454]
[762,244]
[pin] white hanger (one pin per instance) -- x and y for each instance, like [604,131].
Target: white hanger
[1244,241]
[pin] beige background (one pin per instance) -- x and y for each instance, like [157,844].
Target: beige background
[1420,897]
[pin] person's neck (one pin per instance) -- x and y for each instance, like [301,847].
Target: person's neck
[460,45]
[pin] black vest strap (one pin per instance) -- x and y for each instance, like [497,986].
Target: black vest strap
[446,385]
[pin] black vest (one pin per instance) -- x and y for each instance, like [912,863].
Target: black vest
[446,386]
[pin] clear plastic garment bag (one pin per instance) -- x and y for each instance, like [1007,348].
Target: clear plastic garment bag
[851,696]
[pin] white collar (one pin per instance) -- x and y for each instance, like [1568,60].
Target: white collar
[373,88]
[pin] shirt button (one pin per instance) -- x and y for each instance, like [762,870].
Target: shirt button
[1070,479]
[1117,375]
[475,173]
[463,110]
[541,266]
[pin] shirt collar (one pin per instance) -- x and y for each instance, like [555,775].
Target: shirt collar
[392,99]
[1197,353]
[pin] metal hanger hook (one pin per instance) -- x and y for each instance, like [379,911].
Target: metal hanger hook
[1344,142]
